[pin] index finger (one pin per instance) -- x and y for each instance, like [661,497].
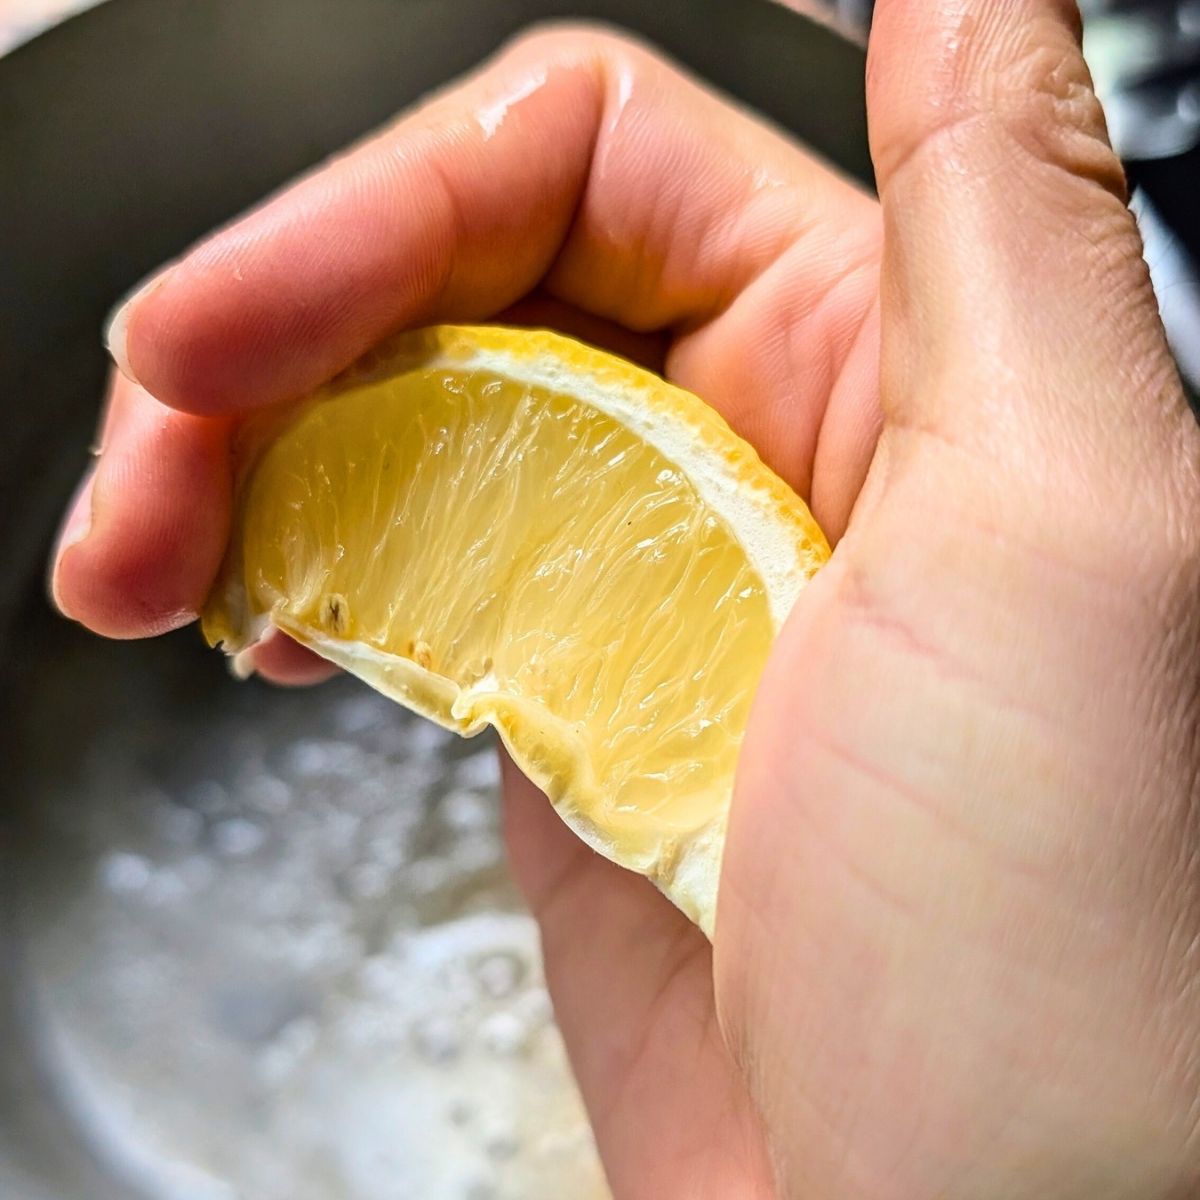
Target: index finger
[583,159]
[576,161]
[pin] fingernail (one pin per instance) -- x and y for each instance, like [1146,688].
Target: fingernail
[116,338]
[116,328]
[241,664]
[76,527]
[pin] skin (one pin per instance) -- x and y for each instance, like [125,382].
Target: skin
[958,945]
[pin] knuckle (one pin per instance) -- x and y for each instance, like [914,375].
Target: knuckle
[1023,88]
[1050,108]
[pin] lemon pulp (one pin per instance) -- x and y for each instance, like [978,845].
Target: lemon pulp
[491,550]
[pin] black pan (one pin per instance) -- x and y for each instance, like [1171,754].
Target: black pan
[125,134]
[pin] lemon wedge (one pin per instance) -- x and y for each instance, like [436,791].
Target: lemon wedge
[506,527]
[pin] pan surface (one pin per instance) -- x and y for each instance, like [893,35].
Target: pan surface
[259,944]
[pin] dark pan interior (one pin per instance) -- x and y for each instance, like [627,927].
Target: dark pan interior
[124,135]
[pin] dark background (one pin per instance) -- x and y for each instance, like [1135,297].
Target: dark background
[125,134]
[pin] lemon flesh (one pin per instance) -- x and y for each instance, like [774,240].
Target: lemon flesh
[506,528]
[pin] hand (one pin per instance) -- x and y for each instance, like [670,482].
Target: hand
[958,944]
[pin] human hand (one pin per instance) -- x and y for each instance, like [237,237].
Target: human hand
[956,950]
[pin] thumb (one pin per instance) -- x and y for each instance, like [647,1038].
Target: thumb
[1019,324]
